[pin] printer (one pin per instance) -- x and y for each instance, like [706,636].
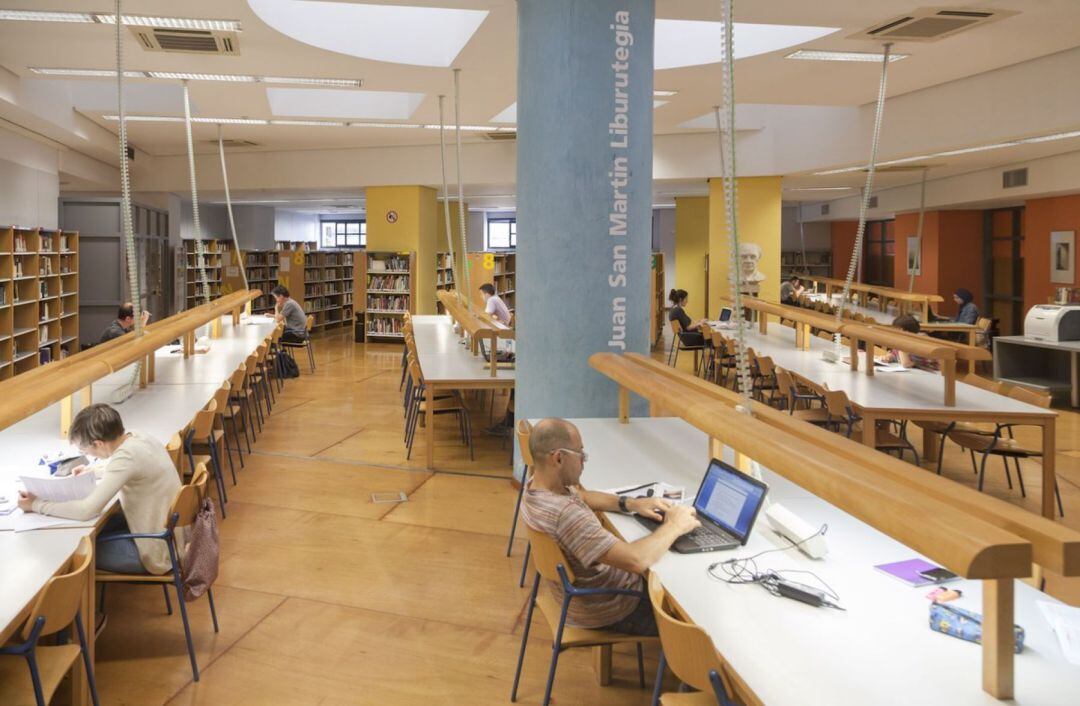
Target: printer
[1053,322]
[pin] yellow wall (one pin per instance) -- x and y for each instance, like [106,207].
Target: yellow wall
[759,222]
[414,231]
[691,246]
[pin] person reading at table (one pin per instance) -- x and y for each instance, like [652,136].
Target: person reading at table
[691,333]
[558,506]
[790,290]
[140,470]
[968,313]
[909,324]
[123,323]
[494,306]
[286,309]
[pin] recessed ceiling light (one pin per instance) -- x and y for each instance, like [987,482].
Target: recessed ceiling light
[171,22]
[1053,137]
[384,125]
[693,42]
[94,73]
[857,56]
[420,36]
[818,188]
[298,80]
[173,119]
[45,16]
[183,76]
[310,123]
[664,94]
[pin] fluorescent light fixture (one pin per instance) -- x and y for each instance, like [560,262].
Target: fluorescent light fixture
[818,188]
[384,125]
[664,94]
[420,36]
[183,76]
[174,119]
[170,22]
[656,104]
[342,104]
[1053,137]
[45,16]
[300,80]
[310,123]
[85,73]
[680,43]
[857,56]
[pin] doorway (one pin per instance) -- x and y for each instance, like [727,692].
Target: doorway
[1003,268]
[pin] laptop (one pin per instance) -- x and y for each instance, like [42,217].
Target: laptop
[725,315]
[727,503]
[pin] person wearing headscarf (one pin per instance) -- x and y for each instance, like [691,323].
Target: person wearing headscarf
[968,313]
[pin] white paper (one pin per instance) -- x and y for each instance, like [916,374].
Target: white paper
[1065,622]
[60,489]
[20,521]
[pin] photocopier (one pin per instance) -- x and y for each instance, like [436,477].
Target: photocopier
[1053,322]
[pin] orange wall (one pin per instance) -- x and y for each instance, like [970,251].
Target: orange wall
[951,254]
[1040,217]
[843,242]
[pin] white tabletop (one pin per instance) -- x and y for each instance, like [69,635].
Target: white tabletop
[40,556]
[880,651]
[911,389]
[1073,346]
[445,359]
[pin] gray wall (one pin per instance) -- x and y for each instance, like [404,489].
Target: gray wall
[663,240]
[212,218]
[29,182]
[293,226]
[255,227]
[818,233]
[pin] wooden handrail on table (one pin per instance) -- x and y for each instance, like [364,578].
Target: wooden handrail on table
[35,390]
[919,299]
[988,539]
[476,328]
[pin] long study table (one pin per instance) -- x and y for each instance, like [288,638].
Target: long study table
[184,386]
[448,365]
[878,651]
[912,395]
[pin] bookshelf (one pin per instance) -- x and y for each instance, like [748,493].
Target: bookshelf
[444,277]
[329,284]
[389,291]
[502,274]
[261,268]
[659,298]
[39,297]
[217,253]
[818,262]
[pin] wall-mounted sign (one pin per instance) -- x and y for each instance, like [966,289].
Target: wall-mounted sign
[391,216]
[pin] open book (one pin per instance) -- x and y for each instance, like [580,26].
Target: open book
[60,488]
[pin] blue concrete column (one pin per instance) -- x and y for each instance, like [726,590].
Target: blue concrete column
[584,198]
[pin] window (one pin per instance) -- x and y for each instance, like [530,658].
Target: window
[501,233]
[343,234]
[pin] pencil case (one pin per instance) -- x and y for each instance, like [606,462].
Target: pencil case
[965,624]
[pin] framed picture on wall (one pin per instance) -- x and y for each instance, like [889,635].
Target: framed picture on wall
[1063,256]
[914,255]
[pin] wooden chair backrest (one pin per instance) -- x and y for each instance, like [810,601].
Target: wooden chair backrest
[784,383]
[415,372]
[688,649]
[524,431]
[260,353]
[706,332]
[765,365]
[719,343]
[276,335]
[983,383]
[676,327]
[1024,394]
[236,380]
[174,447]
[250,364]
[836,402]
[203,422]
[310,324]
[547,555]
[189,497]
[221,399]
[59,600]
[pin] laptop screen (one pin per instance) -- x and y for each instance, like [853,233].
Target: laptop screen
[725,315]
[730,498]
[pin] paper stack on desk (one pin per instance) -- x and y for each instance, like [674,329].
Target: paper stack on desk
[1065,622]
[60,488]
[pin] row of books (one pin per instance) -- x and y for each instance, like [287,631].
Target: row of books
[384,324]
[445,277]
[387,263]
[321,289]
[261,274]
[388,302]
[262,258]
[395,283]
[330,273]
[328,259]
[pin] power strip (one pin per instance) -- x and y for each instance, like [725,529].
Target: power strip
[797,531]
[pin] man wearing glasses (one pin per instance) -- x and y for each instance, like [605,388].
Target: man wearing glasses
[140,470]
[556,505]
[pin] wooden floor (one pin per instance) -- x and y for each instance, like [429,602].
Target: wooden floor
[327,598]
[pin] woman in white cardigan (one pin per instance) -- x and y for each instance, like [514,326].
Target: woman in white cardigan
[141,471]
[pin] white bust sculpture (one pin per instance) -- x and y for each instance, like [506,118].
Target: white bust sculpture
[750,277]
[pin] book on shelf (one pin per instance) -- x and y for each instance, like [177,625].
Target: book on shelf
[384,324]
[20,242]
[387,302]
[395,283]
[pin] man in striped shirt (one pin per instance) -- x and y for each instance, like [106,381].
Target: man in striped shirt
[556,505]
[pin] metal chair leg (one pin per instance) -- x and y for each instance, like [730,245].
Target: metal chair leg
[87,664]
[311,355]
[524,565]
[187,627]
[168,603]
[659,679]
[213,610]
[517,509]
[640,666]
[555,652]
[525,636]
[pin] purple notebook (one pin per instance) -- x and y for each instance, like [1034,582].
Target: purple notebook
[908,571]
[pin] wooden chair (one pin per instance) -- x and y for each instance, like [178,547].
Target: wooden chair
[762,376]
[943,428]
[724,357]
[417,409]
[799,400]
[275,349]
[260,378]
[1006,446]
[551,564]
[290,345]
[251,387]
[232,413]
[202,444]
[55,609]
[220,435]
[241,396]
[689,652]
[185,506]
[175,447]
[523,432]
[839,407]
[708,353]
[677,345]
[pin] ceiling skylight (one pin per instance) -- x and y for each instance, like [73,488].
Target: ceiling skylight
[334,103]
[694,42]
[855,56]
[421,36]
[508,115]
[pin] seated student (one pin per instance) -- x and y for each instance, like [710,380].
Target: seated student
[124,322]
[141,470]
[556,505]
[494,306]
[691,335]
[288,310]
[910,324]
[968,313]
[790,290]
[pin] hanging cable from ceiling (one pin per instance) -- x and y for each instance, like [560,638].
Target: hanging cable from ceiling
[228,209]
[200,247]
[864,202]
[446,198]
[917,264]
[127,228]
[466,280]
[727,170]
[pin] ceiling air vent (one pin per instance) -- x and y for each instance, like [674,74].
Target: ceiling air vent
[500,136]
[233,143]
[872,203]
[824,209]
[1013,178]
[187,41]
[929,24]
